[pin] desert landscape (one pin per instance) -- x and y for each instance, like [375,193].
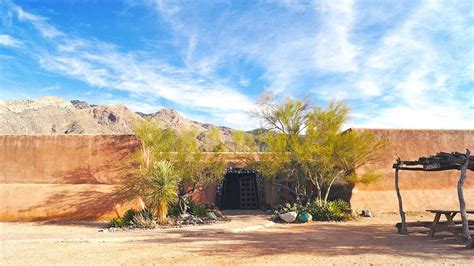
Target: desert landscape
[364,241]
[230,132]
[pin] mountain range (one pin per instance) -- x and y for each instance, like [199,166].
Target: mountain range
[52,115]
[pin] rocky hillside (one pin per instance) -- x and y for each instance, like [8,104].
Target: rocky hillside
[53,115]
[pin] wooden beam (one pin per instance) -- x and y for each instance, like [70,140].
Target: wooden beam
[426,170]
[462,203]
[403,229]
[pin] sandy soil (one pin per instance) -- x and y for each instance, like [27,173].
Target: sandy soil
[365,241]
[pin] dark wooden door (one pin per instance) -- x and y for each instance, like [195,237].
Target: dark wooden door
[248,192]
[231,195]
[239,191]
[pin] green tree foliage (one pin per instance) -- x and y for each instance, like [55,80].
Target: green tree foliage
[283,123]
[193,168]
[306,145]
[197,169]
[330,156]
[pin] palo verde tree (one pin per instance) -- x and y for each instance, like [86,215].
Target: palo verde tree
[329,155]
[198,169]
[306,145]
[194,168]
[284,124]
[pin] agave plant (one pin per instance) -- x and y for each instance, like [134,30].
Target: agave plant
[161,188]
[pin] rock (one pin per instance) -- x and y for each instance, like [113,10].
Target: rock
[275,218]
[218,213]
[288,217]
[80,104]
[268,212]
[74,128]
[367,213]
[185,216]
[212,216]
[305,217]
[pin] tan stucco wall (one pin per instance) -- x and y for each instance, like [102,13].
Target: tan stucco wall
[73,177]
[66,177]
[420,190]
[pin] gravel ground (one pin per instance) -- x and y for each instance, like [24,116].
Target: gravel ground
[364,241]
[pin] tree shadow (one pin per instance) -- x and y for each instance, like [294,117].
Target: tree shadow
[323,240]
[70,205]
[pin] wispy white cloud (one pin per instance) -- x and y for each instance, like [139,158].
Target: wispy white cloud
[334,50]
[404,64]
[9,41]
[102,65]
[423,65]
[39,22]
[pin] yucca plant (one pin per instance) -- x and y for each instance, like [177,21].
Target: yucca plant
[161,188]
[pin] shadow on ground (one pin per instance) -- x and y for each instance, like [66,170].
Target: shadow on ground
[323,240]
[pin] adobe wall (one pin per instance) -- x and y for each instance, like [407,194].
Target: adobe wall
[63,177]
[73,177]
[420,190]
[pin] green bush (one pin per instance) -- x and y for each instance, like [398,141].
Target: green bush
[174,209]
[337,210]
[210,206]
[198,209]
[128,216]
[292,207]
[144,219]
[149,214]
[117,222]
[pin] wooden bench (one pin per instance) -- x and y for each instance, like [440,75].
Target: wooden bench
[429,224]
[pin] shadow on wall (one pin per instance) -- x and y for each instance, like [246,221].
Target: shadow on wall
[73,205]
[111,172]
[111,167]
[341,191]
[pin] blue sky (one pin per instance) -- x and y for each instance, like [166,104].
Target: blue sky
[398,64]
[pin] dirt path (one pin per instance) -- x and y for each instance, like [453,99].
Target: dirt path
[367,241]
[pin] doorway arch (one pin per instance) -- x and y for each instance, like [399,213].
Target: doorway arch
[240,189]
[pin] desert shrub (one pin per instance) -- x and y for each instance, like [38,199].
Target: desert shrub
[198,209]
[144,219]
[337,210]
[117,222]
[174,209]
[161,188]
[210,206]
[128,216]
[292,207]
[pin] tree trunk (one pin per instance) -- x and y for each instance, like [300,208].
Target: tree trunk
[462,203]
[403,229]
[320,195]
[326,196]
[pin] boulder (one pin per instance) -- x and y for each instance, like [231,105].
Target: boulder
[212,216]
[185,216]
[367,213]
[305,217]
[288,217]
[218,213]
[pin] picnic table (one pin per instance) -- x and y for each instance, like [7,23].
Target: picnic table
[449,225]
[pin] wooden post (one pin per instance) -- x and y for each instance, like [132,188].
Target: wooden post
[402,230]
[462,203]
